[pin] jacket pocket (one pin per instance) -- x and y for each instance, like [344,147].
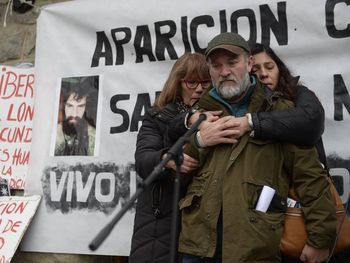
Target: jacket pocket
[252,191]
[269,221]
[264,228]
[190,201]
[195,191]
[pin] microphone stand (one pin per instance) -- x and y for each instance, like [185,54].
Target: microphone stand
[175,150]
[177,154]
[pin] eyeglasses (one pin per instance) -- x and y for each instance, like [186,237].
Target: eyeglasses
[193,84]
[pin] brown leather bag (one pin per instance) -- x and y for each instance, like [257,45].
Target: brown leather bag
[294,235]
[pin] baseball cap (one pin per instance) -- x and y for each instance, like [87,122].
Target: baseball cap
[232,42]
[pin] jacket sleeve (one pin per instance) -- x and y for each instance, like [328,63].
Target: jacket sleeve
[177,127]
[310,182]
[149,146]
[303,124]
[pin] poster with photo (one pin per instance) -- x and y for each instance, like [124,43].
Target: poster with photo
[76,117]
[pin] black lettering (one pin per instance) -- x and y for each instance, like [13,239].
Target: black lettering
[125,116]
[163,40]
[143,103]
[223,22]
[102,43]
[120,42]
[199,20]
[185,34]
[341,97]
[143,44]
[252,22]
[331,29]
[340,170]
[278,26]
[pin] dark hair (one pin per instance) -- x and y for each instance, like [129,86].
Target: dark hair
[81,87]
[286,82]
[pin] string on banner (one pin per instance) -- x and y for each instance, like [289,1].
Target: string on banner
[9,7]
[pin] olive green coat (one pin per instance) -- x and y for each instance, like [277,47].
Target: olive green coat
[229,178]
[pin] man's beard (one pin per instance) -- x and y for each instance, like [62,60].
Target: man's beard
[72,128]
[231,91]
[76,136]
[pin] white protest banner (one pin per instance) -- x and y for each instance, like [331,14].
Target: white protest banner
[16,213]
[16,116]
[121,54]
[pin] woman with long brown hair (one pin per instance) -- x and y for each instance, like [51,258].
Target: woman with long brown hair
[303,124]
[188,78]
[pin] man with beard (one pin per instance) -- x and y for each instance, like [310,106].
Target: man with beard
[76,133]
[220,218]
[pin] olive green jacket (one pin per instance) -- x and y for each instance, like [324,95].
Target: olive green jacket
[229,179]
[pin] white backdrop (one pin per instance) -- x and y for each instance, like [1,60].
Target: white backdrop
[131,45]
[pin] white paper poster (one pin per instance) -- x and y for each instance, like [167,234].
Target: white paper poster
[16,213]
[16,117]
[122,52]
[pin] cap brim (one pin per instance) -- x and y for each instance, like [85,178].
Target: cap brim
[233,49]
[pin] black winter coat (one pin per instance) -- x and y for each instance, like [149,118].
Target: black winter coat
[152,226]
[302,125]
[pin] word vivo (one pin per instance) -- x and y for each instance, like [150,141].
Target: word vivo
[75,185]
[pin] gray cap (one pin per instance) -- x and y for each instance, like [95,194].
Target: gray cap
[232,42]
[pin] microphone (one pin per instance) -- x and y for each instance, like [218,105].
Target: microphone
[194,127]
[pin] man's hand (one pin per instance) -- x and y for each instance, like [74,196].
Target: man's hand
[241,126]
[314,255]
[211,116]
[227,129]
[188,165]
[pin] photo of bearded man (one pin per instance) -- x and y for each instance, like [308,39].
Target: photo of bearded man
[76,126]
